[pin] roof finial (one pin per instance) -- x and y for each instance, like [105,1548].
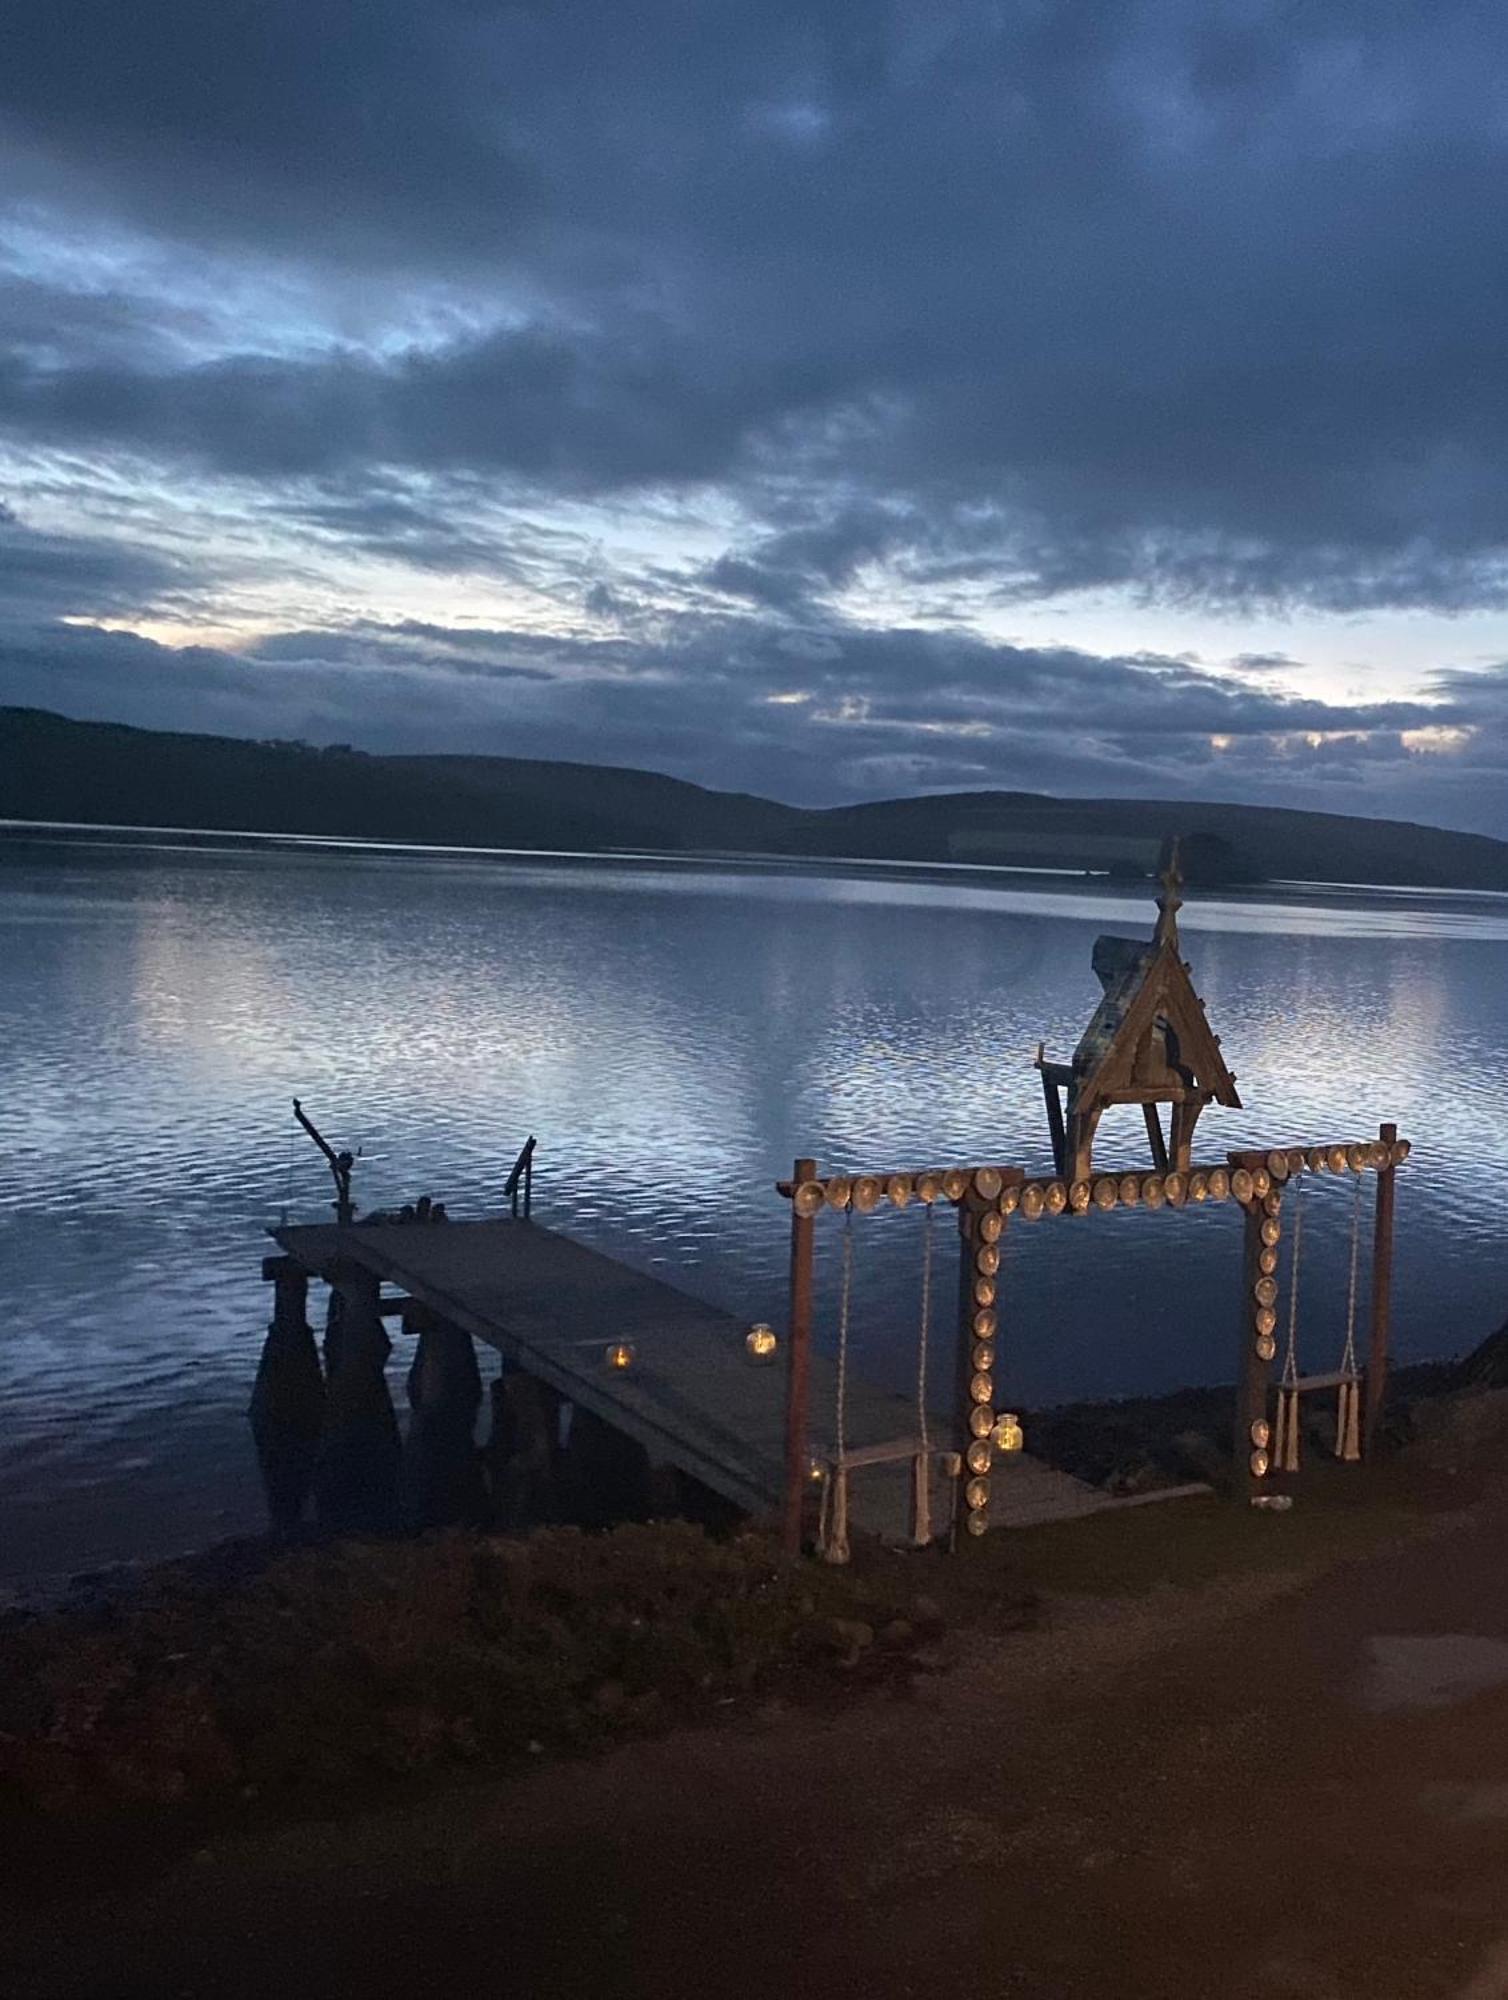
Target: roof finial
[1169,903]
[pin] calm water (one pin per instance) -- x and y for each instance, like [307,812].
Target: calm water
[675,1036]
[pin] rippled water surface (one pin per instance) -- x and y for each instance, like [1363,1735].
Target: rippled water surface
[675,1035]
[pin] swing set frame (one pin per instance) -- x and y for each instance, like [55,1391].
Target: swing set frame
[988,1198]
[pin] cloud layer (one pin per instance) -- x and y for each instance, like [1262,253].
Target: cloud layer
[728,389]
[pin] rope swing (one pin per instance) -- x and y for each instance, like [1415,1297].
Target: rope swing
[1347,1378]
[921,1466]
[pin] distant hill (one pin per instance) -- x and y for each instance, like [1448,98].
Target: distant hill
[52,768]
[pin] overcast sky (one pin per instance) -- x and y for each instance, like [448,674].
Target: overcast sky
[827,399]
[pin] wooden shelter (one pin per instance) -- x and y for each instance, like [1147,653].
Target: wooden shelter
[1148,1043]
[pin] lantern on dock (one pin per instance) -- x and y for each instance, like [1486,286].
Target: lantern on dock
[760,1343]
[619,1356]
[1008,1434]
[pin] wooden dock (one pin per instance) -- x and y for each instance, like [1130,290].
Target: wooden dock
[692,1398]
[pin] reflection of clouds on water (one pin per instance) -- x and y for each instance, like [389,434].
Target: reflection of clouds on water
[675,1036]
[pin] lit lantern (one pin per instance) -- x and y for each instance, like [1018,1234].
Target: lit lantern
[1277,1166]
[1356,1158]
[980,1455]
[1031,1201]
[984,1355]
[1261,1434]
[1265,1291]
[1401,1150]
[1261,1181]
[928,1186]
[1079,1197]
[1175,1189]
[808,1198]
[1129,1190]
[988,1183]
[955,1183]
[1010,1199]
[839,1191]
[1008,1434]
[1199,1185]
[1259,1463]
[987,1259]
[977,1523]
[989,1226]
[1241,1185]
[866,1194]
[984,1291]
[986,1321]
[977,1493]
[1267,1260]
[1378,1155]
[1055,1197]
[1267,1347]
[619,1355]
[1335,1159]
[816,1471]
[1314,1159]
[1218,1183]
[1105,1195]
[1272,1204]
[898,1189]
[1272,1230]
[981,1389]
[760,1343]
[1152,1191]
[981,1420]
[1265,1320]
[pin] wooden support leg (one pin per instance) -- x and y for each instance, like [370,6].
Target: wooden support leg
[798,1355]
[606,1473]
[523,1451]
[1055,1123]
[1253,1370]
[442,1480]
[356,1475]
[288,1400]
[1382,1297]
[1155,1139]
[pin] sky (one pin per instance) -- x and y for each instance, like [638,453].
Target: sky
[830,400]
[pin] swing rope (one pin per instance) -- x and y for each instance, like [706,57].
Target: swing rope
[835,1510]
[1286,1443]
[921,1516]
[1348,1401]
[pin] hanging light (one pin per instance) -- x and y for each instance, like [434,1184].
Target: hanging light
[808,1198]
[1175,1189]
[1218,1183]
[987,1259]
[928,1186]
[989,1226]
[1272,1204]
[1335,1159]
[1267,1260]
[988,1182]
[1152,1191]
[1356,1158]
[977,1493]
[1265,1320]
[1401,1150]
[1298,1159]
[955,1183]
[816,1471]
[1031,1201]
[1055,1197]
[1272,1231]
[1241,1185]
[1314,1159]
[984,1355]
[1378,1154]
[985,1323]
[1008,1434]
[981,1420]
[898,1188]
[1261,1181]
[980,1456]
[978,1522]
[984,1291]
[760,1342]
[1267,1347]
[1259,1463]
[1277,1166]
[1010,1199]
[1261,1434]
[981,1389]
[1106,1194]
[1079,1197]
[1129,1189]
[866,1194]
[619,1355]
[1199,1185]
[839,1191]
[1265,1291]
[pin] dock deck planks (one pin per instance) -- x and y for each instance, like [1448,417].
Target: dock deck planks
[692,1397]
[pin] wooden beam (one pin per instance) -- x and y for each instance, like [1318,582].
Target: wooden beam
[1055,1125]
[1382,1291]
[1155,1139]
[798,1356]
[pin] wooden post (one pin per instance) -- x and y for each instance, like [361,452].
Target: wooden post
[356,1474]
[523,1451]
[1155,1139]
[441,1475]
[963,1366]
[287,1403]
[1253,1372]
[1055,1123]
[1382,1294]
[798,1358]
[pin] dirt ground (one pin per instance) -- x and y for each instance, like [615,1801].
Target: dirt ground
[1249,1789]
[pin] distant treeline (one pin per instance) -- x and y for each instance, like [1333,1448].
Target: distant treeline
[52,768]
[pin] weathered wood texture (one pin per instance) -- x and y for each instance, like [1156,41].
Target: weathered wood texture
[692,1398]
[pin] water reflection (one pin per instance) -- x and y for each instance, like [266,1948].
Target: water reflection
[675,1035]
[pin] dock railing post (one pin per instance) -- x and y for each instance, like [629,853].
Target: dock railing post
[798,1364]
[1382,1293]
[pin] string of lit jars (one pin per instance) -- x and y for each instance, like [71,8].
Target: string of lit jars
[993,1197]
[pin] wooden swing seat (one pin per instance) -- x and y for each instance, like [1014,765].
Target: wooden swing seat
[1333,1380]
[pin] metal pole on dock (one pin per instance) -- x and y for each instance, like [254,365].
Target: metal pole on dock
[1382,1291]
[798,1364]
